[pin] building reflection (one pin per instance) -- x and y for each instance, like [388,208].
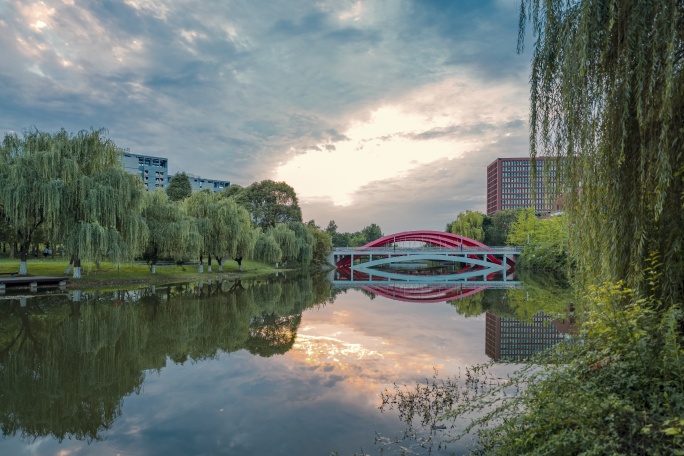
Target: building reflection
[510,339]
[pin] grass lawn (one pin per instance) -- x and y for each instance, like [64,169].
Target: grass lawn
[127,273]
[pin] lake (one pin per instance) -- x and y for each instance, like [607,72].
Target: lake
[278,366]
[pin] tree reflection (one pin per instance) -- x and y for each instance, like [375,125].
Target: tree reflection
[67,362]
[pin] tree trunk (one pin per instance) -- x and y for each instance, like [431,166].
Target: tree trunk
[201,265]
[155,257]
[23,268]
[239,262]
[220,263]
[209,264]
[77,268]
[68,269]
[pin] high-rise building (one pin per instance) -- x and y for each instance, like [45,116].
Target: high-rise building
[152,170]
[514,340]
[510,186]
[199,183]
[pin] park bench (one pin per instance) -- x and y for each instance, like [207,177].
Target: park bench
[9,273]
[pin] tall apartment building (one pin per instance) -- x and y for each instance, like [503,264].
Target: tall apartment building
[152,170]
[510,186]
[514,340]
[199,183]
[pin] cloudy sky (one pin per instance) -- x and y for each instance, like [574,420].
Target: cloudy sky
[375,111]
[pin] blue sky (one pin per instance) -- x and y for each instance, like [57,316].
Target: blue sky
[380,111]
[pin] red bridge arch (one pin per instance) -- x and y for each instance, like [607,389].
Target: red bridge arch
[435,238]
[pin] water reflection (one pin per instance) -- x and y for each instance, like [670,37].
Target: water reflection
[276,366]
[67,362]
[510,339]
[521,319]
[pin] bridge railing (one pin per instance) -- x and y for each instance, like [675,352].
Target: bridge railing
[503,248]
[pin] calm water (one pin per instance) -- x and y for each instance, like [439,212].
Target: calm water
[277,367]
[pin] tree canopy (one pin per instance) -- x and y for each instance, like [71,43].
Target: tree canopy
[270,203]
[179,187]
[607,97]
[173,234]
[74,188]
[470,225]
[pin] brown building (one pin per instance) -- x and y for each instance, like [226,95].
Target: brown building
[510,186]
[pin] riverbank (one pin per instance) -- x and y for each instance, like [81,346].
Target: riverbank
[112,274]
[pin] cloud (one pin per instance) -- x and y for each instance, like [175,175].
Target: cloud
[234,91]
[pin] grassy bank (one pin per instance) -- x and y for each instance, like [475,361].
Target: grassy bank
[133,273]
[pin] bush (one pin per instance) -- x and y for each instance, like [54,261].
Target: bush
[618,388]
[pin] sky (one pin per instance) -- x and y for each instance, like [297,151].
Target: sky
[374,111]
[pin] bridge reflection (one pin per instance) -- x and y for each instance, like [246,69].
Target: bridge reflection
[507,338]
[421,287]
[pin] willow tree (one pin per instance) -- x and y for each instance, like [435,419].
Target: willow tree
[31,191]
[607,98]
[469,224]
[173,234]
[286,240]
[266,248]
[100,210]
[305,242]
[224,226]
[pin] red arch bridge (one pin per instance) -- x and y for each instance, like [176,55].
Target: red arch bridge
[411,256]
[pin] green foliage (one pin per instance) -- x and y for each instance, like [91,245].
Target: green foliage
[469,224]
[66,366]
[619,389]
[627,384]
[75,189]
[371,232]
[224,226]
[498,226]
[173,234]
[543,292]
[179,187]
[356,239]
[286,240]
[322,245]
[267,249]
[331,229]
[607,96]
[305,243]
[545,241]
[270,203]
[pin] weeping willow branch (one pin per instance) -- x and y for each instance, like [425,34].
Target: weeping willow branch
[607,99]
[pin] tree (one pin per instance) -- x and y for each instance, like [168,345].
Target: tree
[305,243]
[223,225]
[607,99]
[286,240]
[371,232]
[545,241]
[238,193]
[179,187]
[469,224]
[267,249]
[331,229]
[270,203]
[75,188]
[173,233]
[322,245]
[497,231]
